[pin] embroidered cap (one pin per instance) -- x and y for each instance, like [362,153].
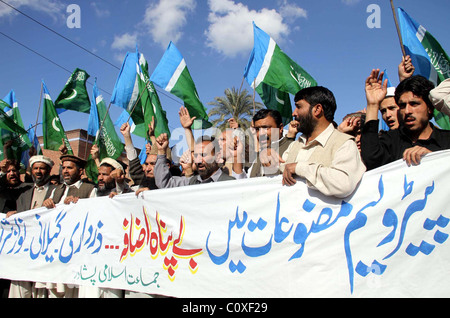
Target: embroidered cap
[39,158]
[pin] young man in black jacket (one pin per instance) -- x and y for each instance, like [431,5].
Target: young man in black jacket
[416,135]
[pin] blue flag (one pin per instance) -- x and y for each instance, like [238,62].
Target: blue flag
[427,55]
[126,89]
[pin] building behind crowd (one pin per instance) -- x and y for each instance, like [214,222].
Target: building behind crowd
[81,144]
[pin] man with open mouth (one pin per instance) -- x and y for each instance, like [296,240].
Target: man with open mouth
[416,135]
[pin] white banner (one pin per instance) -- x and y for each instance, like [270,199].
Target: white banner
[248,238]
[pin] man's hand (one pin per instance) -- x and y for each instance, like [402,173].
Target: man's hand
[376,88]
[293,129]
[233,123]
[288,174]
[95,152]
[141,190]
[414,155]
[63,148]
[48,203]
[10,213]
[271,160]
[162,143]
[185,119]
[118,175]
[405,68]
[125,130]
[186,162]
[71,199]
[350,125]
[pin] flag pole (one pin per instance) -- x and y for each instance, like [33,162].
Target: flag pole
[254,90]
[398,28]
[102,122]
[242,83]
[39,109]
[135,104]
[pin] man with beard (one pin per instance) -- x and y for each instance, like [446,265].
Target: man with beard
[11,187]
[268,127]
[73,188]
[111,175]
[142,175]
[416,135]
[325,158]
[33,198]
[205,158]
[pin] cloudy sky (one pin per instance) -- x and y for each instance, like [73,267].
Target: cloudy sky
[328,38]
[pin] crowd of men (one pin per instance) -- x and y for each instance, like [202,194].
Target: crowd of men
[328,157]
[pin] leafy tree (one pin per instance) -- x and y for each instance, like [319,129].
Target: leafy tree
[235,104]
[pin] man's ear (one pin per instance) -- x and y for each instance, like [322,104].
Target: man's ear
[317,111]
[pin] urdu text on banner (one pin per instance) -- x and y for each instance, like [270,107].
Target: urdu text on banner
[248,238]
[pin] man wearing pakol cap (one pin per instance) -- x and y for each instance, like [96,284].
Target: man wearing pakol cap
[33,198]
[73,188]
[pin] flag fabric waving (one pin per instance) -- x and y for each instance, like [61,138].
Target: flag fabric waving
[427,55]
[269,66]
[126,90]
[34,140]
[74,95]
[172,75]
[138,130]
[19,137]
[101,126]
[52,128]
[135,93]
[150,100]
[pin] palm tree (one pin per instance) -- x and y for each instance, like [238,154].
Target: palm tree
[235,104]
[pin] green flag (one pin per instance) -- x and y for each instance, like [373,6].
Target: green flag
[8,123]
[173,76]
[20,142]
[52,129]
[276,100]
[101,126]
[274,75]
[108,141]
[427,55]
[74,96]
[150,100]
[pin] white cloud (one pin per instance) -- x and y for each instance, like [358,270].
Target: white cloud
[124,41]
[291,12]
[350,2]
[99,11]
[231,33]
[164,20]
[54,8]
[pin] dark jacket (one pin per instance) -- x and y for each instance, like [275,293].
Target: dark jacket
[378,149]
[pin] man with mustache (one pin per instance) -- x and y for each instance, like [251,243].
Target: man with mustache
[205,158]
[328,160]
[416,135]
[73,187]
[268,127]
[11,186]
[33,198]
[388,106]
